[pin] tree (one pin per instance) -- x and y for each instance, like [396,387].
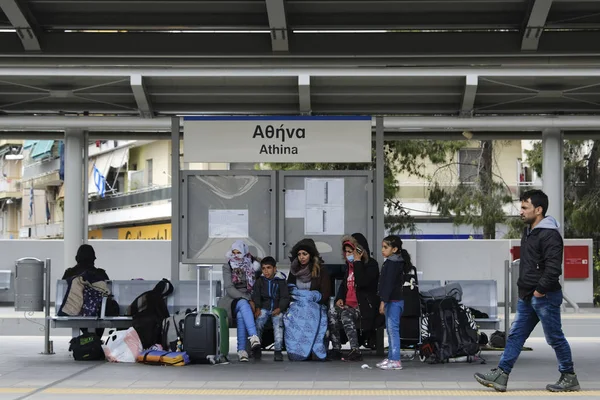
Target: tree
[403,156]
[478,199]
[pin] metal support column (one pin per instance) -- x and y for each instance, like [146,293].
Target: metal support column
[553,185]
[175,199]
[86,176]
[48,344]
[73,218]
[379,190]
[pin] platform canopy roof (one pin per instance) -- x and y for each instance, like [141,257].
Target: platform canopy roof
[153,58]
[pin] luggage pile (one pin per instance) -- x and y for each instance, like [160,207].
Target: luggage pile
[199,336]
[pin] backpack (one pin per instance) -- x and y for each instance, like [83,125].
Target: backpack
[451,331]
[149,310]
[172,330]
[87,347]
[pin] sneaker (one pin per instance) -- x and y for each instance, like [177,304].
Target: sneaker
[566,383]
[382,363]
[391,365]
[243,356]
[353,355]
[496,379]
[254,342]
[278,356]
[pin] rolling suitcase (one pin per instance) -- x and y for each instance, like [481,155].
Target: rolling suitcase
[202,331]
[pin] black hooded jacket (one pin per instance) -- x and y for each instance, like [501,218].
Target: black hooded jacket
[541,259]
[366,278]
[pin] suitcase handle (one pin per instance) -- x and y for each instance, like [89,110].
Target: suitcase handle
[210,292]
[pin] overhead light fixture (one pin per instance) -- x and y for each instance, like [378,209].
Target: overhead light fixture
[14,156]
[468,134]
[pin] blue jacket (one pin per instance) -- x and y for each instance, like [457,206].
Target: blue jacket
[391,279]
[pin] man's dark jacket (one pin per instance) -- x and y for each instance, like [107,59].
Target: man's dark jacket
[541,259]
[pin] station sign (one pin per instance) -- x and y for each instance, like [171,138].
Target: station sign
[284,139]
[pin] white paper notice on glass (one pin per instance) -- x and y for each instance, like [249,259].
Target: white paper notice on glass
[295,204]
[227,223]
[324,221]
[324,192]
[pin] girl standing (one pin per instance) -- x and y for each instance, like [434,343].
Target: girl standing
[390,292]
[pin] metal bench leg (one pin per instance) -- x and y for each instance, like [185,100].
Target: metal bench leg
[379,342]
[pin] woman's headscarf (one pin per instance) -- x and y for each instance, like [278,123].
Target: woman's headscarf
[242,265]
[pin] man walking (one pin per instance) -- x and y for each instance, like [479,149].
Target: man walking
[540,296]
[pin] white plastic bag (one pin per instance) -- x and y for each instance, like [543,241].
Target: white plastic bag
[122,346]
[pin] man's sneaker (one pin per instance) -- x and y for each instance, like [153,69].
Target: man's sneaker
[243,356]
[334,354]
[496,379]
[353,355]
[278,356]
[254,342]
[391,365]
[382,363]
[566,383]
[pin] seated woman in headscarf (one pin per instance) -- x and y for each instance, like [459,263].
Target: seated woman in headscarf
[356,305]
[306,319]
[239,274]
[86,260]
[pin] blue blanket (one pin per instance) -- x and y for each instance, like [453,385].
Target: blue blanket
[305,325]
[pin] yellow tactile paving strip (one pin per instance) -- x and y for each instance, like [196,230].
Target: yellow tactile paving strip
[311,392]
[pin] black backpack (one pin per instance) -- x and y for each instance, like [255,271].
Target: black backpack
[149,310]
[87,347]
[452,331]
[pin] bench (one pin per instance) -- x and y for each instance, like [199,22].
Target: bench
[481,295]
[124,292]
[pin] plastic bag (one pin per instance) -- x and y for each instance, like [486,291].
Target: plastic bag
[122,346]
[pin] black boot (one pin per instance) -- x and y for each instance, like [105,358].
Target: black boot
[566,383]
[278,356]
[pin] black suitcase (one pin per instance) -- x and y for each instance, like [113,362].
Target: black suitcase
[201,339]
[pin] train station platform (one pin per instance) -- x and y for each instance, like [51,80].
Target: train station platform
[27,374]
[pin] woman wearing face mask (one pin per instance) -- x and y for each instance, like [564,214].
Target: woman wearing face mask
[357,302]
[306,319]
[239,274]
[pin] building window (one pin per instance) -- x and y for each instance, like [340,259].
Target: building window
[468,167]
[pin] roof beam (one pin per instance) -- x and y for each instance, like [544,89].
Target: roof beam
[278,25]
[535,25]
[304,94]
[141,96]
[190,72]
[22,22]
[468,101]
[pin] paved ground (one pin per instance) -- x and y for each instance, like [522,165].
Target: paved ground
[26,374]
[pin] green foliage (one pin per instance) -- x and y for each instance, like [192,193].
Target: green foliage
[479,202]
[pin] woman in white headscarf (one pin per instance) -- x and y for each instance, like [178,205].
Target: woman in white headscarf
[239,274]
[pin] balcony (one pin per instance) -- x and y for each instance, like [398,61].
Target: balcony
[43,173]
[10,188]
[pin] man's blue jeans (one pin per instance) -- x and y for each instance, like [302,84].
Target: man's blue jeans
[277,326]
[393,311]
[245,323]
[529,312]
